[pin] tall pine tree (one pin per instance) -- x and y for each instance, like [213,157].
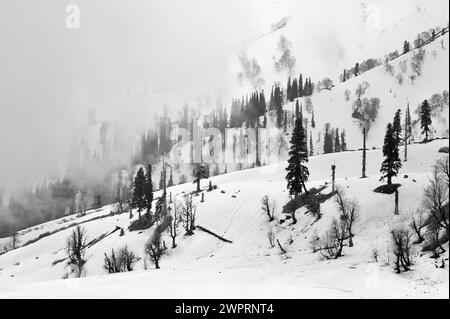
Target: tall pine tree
[391,164]
[297,172]
[148,188]
[425,118]
[397,126]
[407,134]
[337,142]
[138,200]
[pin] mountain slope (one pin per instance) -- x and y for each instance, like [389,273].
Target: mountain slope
[247,266]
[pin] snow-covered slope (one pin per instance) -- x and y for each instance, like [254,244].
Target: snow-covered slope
[247,267]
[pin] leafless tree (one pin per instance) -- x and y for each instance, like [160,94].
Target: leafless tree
[433,240]
[442,167]
[349,209]
[268,207]
[401,239]
[75,247]
[436,199]
[188,212]
[332,243]
[175,220]
[155,248]
[325,84]
[417,224]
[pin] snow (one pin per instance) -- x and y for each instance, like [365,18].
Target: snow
[204,267]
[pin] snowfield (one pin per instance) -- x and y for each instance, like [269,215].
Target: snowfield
[204,267]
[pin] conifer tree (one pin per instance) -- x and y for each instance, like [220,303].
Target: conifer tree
[397,127]
[297,172]
[343,142]
[297,109]
[391,163]
[311,145]
[407,134]
[148,188]
[425,118]
[138,200]
[328,140]
[294,89]
[289,90]
[301,92]
[313,122]
[337,143]
[406,47]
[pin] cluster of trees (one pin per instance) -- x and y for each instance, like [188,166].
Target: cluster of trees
[334,141]
[247,110]
[359,68]
[296,88]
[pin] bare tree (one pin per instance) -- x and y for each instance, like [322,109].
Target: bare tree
[433,240]
[442,166]
[417,224]
[332,243]
[155,248]
[349,209]
[268,207]
[188,212]
[436,199]
[75,247]
[175,220]
[401,247]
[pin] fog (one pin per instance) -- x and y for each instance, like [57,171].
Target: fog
[124,63]
[129,58]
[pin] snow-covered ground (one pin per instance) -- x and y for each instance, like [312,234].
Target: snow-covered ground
[204,267]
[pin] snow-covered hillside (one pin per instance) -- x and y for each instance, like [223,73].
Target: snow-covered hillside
[203,266]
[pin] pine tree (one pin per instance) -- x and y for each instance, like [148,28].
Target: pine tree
[311,145]
[406,47]
[313,123]
[148,188]
[425,118]
[397,127]
[391,163]
[138,200]
[162,180]
[328,140]
[294,89]
[297,109]
[343,142]
[337,143]
[297,172]
[407,134]
[289,90]
[301,92]
[356,69]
